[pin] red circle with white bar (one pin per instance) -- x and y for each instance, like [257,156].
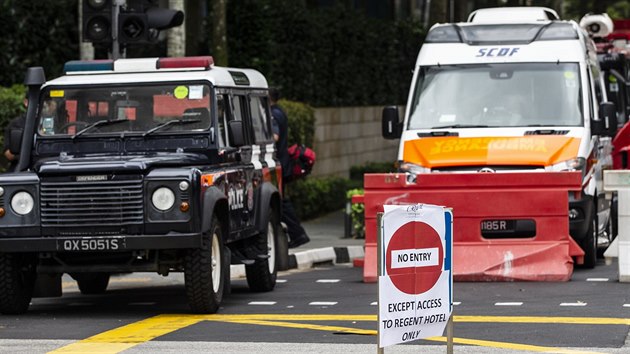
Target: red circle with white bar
[414,258]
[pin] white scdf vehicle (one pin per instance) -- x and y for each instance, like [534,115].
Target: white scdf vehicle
[518,94]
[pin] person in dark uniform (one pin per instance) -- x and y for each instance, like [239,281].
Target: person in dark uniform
[15,123]
[297,234]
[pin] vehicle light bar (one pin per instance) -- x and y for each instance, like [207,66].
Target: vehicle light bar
[204,62]
[135,65]
[138,65]
[88,65]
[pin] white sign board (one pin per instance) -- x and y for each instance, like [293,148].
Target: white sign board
[415,280]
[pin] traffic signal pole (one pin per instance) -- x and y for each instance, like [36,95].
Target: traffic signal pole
[116,53]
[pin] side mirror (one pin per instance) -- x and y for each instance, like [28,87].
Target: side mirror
[391,126]
[16,141]
[235,133]
[608,115]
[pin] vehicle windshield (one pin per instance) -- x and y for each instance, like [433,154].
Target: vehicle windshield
[124,109]
[497,95]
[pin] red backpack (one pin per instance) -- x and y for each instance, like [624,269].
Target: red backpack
[302,160]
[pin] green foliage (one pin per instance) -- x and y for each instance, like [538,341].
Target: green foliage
[330,56]
[301,122]
[357,213]
[357,172]
[313,197]
[36,33]
[11,105]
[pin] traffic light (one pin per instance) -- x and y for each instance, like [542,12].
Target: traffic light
[97,19]
[141,20]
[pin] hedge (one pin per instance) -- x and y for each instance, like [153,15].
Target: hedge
[11,106]
[331,56]
[301,122]
[313,197]
[37,33]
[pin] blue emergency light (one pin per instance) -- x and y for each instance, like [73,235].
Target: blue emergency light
[89,65]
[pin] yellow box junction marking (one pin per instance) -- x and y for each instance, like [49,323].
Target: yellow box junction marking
[125,337]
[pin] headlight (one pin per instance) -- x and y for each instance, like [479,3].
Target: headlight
[413,168]
[183,186]
[576,164]
[22,203]
[163,198]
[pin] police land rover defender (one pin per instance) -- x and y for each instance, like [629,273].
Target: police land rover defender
[142,165]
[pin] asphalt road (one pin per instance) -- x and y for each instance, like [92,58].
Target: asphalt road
[321,310]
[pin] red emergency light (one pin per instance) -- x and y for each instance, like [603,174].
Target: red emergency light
[204,62]
[622,30]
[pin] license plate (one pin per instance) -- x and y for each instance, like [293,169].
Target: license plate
[503,228]
[83,244]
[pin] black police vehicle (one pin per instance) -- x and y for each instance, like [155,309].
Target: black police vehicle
[142,165]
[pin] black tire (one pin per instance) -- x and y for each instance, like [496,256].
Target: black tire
[282,254]
[589,243]
[91,283]
[17,281]
[204,271]
[261,276]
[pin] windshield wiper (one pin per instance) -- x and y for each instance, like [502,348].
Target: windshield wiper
[97,124]
[169,123]
[459,126]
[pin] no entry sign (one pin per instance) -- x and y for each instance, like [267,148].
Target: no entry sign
[415,279]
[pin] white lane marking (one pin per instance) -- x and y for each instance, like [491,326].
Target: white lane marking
[290,306]
[281,280]
[262,303]
[508,303]
[626,305]
[328,280]
[142,303]
[597,279]
[323,303]
[456,303]
[579,303]
[374,303]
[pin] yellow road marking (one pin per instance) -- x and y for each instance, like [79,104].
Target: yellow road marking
[514,346]
[541,319]
[481,343]
[125,337]
[304,326]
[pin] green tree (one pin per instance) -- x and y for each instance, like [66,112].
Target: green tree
[36,33]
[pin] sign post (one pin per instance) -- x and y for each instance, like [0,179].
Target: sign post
[415,294]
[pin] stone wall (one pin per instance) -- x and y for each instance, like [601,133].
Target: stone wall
[349,136]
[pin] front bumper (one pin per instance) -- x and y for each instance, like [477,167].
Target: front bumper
[123,243]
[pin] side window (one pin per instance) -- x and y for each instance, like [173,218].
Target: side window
[238,111]
[590,102]
[260,120]
[237,108]
[222,120]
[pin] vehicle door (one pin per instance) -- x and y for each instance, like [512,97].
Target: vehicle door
[262,150]
[239,178]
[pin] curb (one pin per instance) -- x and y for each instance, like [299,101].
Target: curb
[309,258]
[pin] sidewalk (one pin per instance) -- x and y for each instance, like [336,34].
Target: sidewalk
[327,231]
[327,244]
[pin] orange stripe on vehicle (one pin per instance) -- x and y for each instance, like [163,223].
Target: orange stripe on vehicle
[454,151]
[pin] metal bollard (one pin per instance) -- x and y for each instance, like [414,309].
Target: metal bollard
[619,181]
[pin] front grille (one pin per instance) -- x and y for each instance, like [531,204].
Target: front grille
[92,203]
